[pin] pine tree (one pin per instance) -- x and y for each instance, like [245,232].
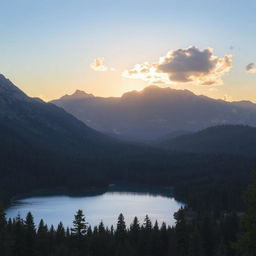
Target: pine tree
[19,237]
[30,235]
[120,228]
[134,231]
[135,226]
[42,230]
[51,237]
[60,233]
[147,224]
[156,239]
[79,224]
[147,247]
[42,239]
[156,227]
[101,228]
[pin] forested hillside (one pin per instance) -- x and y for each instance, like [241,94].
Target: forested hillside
[227,139]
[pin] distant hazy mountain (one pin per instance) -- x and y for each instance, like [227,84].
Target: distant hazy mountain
[155,112]
[32,123]
[231,139]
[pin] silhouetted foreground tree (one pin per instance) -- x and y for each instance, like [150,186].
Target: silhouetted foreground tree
[80,226]
[201,233]
[194,235]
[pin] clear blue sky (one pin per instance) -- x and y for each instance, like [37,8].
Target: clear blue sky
[47,46]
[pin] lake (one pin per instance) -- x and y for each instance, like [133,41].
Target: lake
[104,207]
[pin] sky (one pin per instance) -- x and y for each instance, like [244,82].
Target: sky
[50,48]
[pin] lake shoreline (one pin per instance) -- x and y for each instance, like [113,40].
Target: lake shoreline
[101,204]
[91,191]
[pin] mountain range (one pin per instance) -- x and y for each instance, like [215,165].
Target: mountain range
[44,147]
[155,113]
[33,123]
[36,126]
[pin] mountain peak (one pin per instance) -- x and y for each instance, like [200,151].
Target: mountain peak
[8,89]
[153,90]
[78,94]
[5,82]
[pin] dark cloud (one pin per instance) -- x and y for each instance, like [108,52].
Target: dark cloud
[183,66]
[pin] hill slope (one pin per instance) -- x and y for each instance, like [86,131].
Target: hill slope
[155,112]
[231,139]
[46,126]
[44,146]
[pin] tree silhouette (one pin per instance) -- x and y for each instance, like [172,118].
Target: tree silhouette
[30,235]
[120,228]
[79,224]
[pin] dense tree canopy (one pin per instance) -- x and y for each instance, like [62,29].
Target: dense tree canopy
[247,242]
[202,235]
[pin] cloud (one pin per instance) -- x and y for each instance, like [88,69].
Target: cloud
[250,68]
[147,72]
[189,65]
[98,65]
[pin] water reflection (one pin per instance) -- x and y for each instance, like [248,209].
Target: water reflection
[105,207]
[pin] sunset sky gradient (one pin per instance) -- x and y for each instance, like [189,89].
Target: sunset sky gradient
[53,47]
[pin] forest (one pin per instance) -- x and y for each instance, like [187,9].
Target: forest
[194,234]
[214,181]
[212,186]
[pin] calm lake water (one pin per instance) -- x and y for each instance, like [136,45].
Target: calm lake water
[105,207]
